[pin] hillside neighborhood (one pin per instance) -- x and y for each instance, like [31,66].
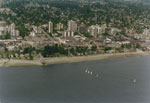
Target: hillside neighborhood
[51,30]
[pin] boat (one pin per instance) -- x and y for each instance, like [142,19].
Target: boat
[91,73]
[86,71]
[134,81]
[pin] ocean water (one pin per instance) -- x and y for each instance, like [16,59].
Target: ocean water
[122,80]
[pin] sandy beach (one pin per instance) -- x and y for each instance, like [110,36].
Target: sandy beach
[59,60]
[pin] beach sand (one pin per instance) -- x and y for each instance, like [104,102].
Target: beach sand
[59,60]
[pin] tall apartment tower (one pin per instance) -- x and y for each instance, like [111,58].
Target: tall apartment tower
[72,26]
[50,27]
[12,29]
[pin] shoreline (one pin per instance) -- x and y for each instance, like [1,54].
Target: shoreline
[61,60]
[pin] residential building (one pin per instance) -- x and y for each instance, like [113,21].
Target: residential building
[50,27]
[68,34]
[2,27]
[82,28]
[12,29]
[60,26]
[114,31]
[94,30]
[72,26]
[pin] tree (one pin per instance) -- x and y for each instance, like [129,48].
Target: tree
[107,49]
[94,48]
[23,31]
[7,36]
[29,51]
[138,46]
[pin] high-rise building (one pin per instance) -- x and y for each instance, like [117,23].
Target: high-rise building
[94,30]
[60,26]
[68,34]
[17,33]
[82,28]
[50,27]
[72,26]
[12,30]
[2,27]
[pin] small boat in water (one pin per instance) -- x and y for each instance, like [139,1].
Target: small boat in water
[134,81]
[88,72]
[97,75]
[91,73]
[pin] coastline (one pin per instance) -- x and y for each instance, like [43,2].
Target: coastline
[61,60]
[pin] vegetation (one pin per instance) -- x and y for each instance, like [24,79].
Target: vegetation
[116,14]
[61,50]
[54,50]
[29,51]
[107,49]
[87,35]
[6,36]
[124,16]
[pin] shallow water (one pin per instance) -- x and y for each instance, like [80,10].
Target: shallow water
[124,80]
